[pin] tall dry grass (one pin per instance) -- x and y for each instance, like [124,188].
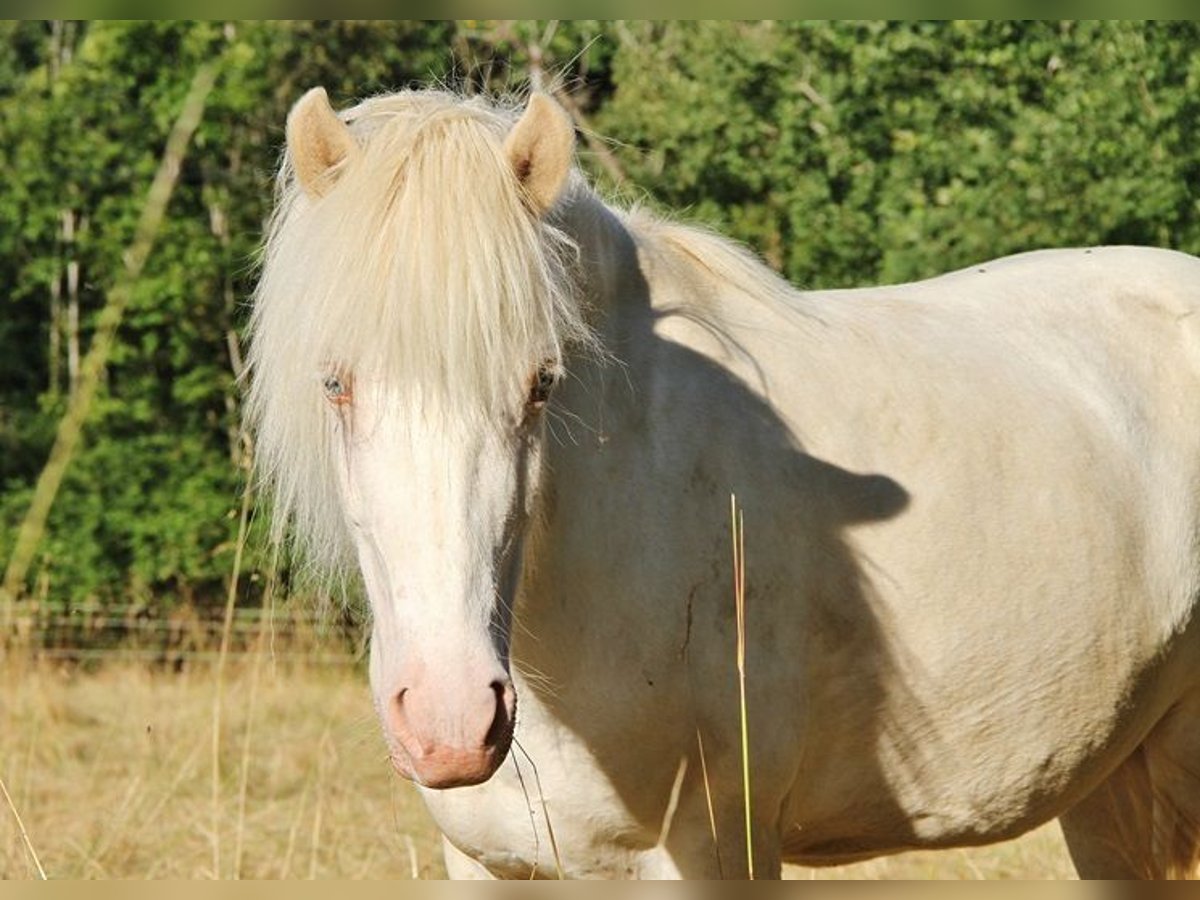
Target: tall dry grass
[110,772]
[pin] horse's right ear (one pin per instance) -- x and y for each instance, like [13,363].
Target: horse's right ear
[319,143]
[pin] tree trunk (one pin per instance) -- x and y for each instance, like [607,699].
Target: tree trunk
[68,236]
[55,348]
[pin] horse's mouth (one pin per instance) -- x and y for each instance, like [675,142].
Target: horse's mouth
[451,769]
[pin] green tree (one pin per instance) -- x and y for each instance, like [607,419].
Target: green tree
[849,153]
[845,153]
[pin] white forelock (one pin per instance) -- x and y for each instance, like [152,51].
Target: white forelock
[423,266]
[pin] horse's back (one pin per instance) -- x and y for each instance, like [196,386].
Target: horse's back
[1028,614]
[1105,341]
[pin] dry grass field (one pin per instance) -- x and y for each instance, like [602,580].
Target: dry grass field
[112,773]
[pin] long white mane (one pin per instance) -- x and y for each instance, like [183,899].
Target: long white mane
[422,264]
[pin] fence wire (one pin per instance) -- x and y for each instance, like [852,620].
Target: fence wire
[184,634]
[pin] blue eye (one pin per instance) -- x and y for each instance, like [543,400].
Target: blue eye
[337,389]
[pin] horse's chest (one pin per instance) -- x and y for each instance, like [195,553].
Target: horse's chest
[528,822]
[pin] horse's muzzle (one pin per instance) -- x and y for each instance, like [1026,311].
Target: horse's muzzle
[437,748]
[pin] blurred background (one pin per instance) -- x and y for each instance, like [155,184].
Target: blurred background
[845,154]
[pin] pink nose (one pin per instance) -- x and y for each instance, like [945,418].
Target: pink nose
[451,739]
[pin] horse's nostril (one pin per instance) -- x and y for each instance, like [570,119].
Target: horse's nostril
[397,722]
[500,733]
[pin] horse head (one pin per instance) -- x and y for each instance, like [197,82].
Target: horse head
[409,330]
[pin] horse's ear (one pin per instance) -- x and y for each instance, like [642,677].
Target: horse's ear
[318,142]
[540,148]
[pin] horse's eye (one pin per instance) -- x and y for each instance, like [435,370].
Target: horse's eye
[337,388]
[543,382]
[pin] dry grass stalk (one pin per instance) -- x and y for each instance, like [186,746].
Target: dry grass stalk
[672,802]
[219,678]
[537,781]
[712,816]
[315,844]
[558,866]
[260,652]
[285,867]
[739,596]
[414,860]
[24,834]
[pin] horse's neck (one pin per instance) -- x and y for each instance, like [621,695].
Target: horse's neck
[608,254]
[634,264]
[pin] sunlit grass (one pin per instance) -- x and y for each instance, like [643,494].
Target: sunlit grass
[111,774]
[1039,855]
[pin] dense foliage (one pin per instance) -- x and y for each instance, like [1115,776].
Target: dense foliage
[844,153]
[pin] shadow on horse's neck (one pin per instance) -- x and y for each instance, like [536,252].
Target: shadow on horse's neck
[637,268]
[608,254]
[627,602]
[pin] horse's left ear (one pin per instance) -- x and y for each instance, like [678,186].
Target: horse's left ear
[540,148]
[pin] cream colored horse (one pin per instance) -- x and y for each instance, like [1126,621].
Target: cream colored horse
[971,506]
